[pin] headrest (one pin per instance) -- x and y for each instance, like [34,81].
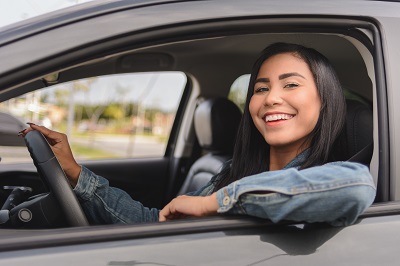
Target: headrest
[216,122]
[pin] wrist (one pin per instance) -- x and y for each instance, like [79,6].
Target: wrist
[73,173]
[212,205]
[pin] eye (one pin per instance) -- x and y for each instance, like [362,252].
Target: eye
[261,89]
[291,85]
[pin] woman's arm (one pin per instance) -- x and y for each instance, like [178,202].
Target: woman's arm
[336,193]
[109,205]
[102,204]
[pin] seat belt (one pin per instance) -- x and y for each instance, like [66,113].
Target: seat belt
[363,156]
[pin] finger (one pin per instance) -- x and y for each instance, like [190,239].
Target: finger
[44,130]
[179,216]
[162,218]
[52,137]
[168,212]
[23,132]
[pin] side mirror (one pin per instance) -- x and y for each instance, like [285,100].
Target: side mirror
[9,128]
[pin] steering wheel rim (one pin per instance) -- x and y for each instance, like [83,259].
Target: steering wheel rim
[53,175]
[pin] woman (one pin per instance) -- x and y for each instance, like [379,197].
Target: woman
[295,111]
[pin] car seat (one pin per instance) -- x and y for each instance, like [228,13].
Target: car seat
[216,122]
[355,143]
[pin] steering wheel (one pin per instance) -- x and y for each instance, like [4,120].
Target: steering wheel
[53,175]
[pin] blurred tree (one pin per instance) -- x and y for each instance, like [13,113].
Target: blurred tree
[61,97]
[114,111]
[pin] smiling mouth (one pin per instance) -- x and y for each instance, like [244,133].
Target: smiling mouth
[277,117]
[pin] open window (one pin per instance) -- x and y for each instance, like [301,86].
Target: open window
[207,56]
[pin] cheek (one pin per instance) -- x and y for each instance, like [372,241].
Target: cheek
[316,106]
[313,109]
[308,106]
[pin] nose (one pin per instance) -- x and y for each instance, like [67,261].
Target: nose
[273,97]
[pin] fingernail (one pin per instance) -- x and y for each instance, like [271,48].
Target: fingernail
[21,132]
[30,123]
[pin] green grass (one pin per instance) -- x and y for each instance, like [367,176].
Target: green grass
[90,153]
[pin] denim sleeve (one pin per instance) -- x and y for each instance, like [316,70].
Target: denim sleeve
[205,190]
[103,204]
[335,193]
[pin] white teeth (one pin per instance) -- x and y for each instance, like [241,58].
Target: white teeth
[276,117]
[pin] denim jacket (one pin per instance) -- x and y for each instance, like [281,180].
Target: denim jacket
[335,193]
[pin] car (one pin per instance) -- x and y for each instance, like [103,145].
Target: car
[125,79]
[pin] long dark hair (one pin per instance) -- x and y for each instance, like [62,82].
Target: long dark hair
[251,153]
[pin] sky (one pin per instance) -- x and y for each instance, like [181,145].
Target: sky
[12,11]
[163,90]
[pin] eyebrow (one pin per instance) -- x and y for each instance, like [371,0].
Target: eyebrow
[286,75]
[282,76]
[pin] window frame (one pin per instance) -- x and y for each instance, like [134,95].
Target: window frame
[172,33]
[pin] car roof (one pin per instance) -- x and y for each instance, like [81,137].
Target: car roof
[68,15]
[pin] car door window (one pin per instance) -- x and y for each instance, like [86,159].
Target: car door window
[114,116]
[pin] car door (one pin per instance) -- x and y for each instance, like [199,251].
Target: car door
[243,29]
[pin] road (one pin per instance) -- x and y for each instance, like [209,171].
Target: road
[118,146]
[125,146]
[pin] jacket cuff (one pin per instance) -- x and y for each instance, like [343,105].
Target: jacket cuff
[87,183]
[226,197]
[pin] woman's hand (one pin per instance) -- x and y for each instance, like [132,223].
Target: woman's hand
[60,146]
[184,206]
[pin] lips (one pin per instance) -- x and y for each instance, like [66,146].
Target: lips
[277,117]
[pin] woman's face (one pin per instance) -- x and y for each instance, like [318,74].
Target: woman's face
[285,105]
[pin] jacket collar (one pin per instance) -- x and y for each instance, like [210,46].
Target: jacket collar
[298,160]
